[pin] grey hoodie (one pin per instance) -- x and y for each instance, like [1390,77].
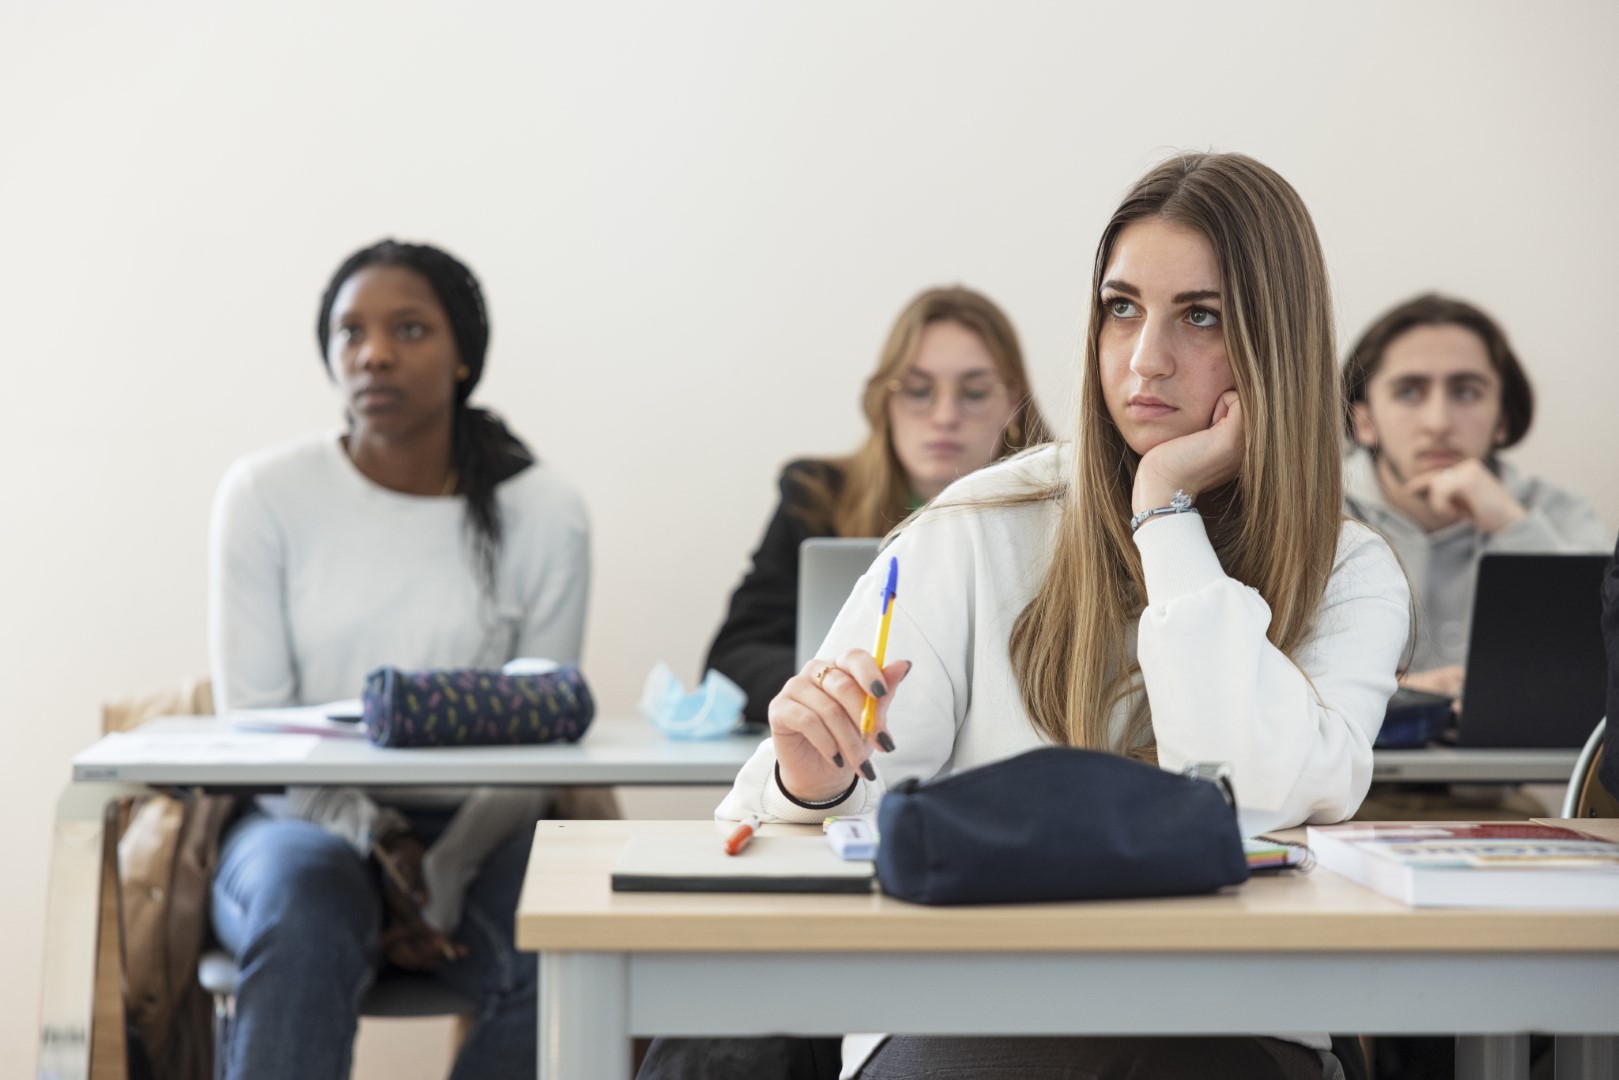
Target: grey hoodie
[1443,565]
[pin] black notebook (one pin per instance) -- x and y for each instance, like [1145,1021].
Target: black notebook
[780,864]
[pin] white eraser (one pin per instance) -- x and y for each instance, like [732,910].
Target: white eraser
[852,838]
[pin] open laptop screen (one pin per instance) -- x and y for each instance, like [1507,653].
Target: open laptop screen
[828,568]
[1536,668]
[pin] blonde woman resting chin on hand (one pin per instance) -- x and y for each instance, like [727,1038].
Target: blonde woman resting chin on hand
[1071,596]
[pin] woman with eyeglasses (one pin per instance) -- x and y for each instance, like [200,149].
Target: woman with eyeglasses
[949,396]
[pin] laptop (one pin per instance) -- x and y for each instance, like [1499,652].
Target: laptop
[1536,666]
[828,567]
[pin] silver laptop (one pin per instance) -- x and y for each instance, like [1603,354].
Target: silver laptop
[828,567]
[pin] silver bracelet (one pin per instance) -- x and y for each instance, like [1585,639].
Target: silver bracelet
[1180,504]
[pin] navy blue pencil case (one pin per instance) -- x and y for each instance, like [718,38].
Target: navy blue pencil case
[473,707]
[1058,824]
[1414,719]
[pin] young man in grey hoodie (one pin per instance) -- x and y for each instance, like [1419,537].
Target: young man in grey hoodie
[1435,393]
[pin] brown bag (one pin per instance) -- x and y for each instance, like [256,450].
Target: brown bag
[166,860]
[166,856]
[585,804]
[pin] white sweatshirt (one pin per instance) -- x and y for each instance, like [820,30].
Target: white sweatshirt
[317,576]
[1298,736]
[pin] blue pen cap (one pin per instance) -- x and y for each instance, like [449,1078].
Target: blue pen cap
[892,586]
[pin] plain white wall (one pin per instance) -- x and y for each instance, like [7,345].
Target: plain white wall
[694,222]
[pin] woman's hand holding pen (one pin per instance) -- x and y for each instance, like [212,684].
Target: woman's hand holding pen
[815,722]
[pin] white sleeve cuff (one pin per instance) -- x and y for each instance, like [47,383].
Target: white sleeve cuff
[1176,556]
[778,807]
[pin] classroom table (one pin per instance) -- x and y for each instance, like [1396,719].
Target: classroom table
[199,752]
[191,751]
[1470,765]
[205,753]
[616,752]
[1293,952]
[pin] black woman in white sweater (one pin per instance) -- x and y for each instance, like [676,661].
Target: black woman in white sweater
[423,535]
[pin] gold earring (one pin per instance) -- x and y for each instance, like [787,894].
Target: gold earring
[462,373]
[1014,433]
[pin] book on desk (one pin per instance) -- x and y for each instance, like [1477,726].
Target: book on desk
[1494,864]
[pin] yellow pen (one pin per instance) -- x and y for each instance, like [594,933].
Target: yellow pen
[868,716]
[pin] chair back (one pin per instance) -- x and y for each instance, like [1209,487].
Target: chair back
[189,697]
[1586,797]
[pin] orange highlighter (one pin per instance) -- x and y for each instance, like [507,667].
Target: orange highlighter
[868,715]
[744,832]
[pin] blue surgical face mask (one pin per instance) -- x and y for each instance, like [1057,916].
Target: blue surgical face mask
[713,709]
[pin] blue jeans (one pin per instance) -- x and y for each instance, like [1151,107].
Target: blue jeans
[301,912]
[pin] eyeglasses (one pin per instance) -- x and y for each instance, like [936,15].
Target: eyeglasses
[975,395]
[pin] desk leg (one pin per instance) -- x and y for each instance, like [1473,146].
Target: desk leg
[1492,1057]
[73,894]
[1587,1057]
[584,1016]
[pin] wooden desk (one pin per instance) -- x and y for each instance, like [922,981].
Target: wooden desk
[173,753]
[1308,952]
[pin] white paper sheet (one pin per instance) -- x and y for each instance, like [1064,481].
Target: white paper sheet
[310,719]
[223,747]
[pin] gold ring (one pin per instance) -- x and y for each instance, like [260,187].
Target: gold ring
[820,676]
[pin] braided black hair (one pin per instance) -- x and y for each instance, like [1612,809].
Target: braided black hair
[484,452]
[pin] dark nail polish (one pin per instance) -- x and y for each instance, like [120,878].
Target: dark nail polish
[868,771]
[837,759]
[878,689]
[885,742]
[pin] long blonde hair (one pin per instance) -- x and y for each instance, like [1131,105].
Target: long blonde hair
[1275,527]
[874,494]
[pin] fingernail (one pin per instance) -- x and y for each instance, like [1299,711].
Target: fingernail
[868,771]
[907,670]
[885,742]
[878,689]
[837,759]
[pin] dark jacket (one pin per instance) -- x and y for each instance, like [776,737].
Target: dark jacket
[1610,633]
[754,647]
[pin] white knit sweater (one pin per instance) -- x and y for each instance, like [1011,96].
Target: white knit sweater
[1297,732]
[317,576]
